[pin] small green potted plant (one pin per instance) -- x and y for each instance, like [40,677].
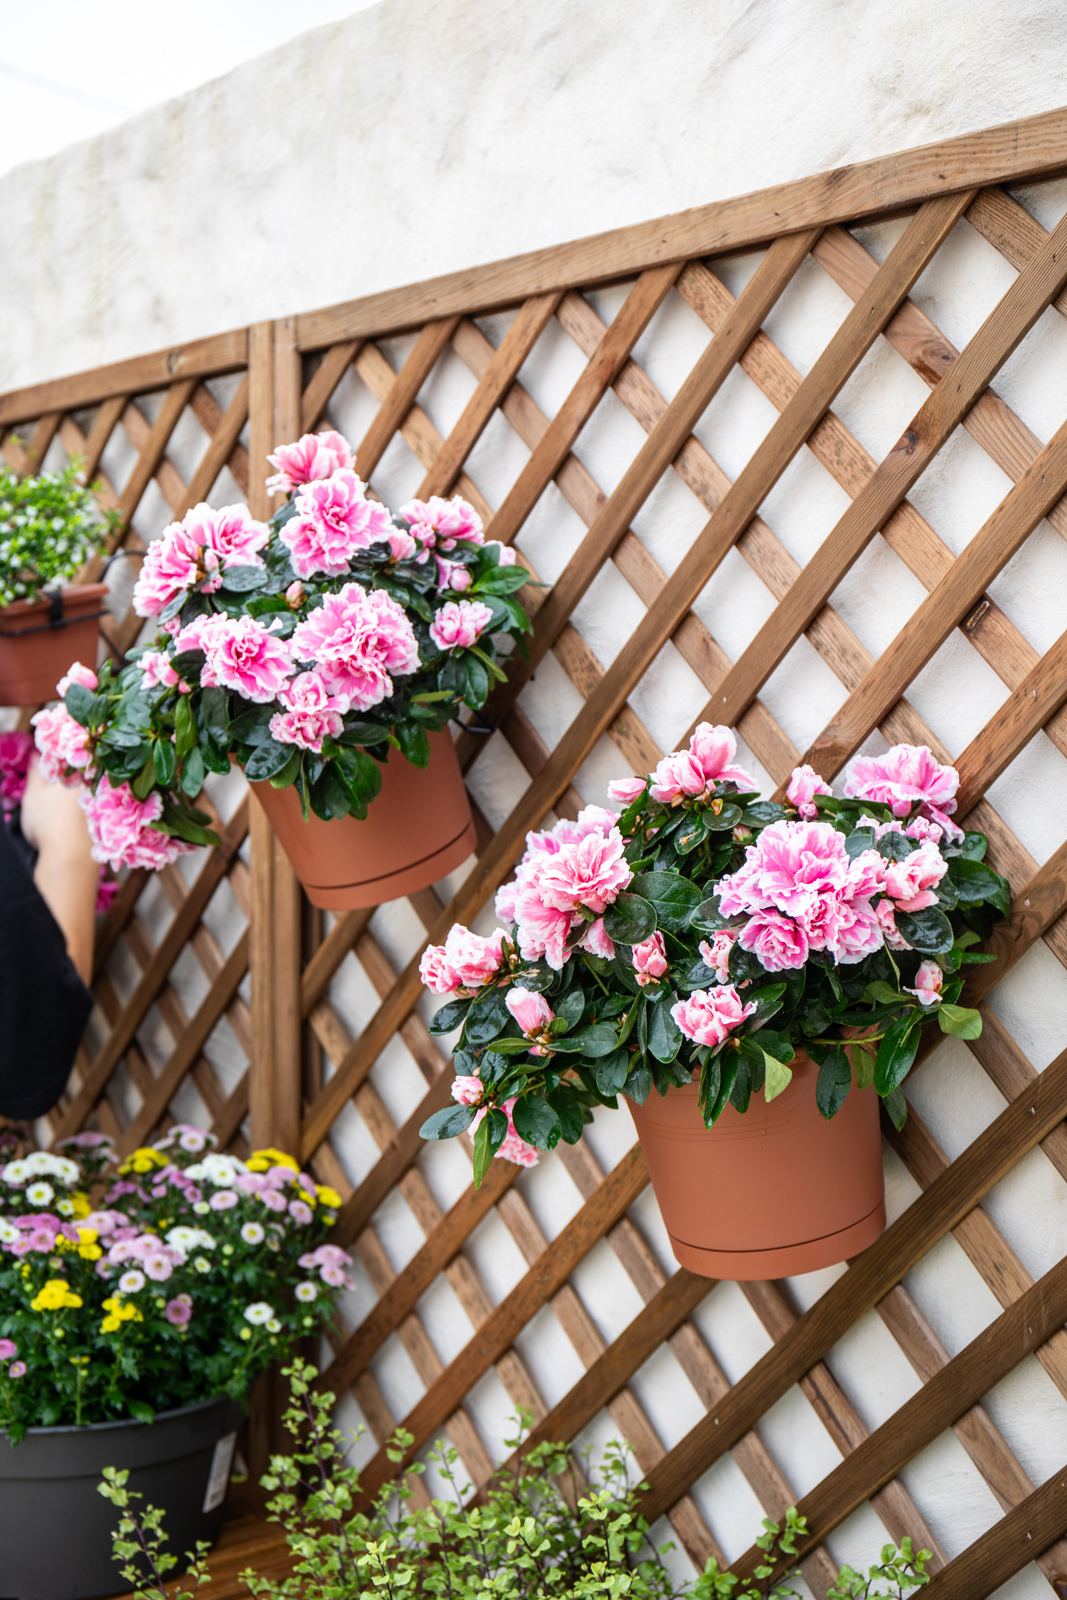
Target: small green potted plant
[557,1525]
[767,968]
[49,529]
[131,1328]
[325,654]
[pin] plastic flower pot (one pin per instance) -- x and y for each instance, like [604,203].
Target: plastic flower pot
[417,829]
[55,1529]
[773,1192]
[40,638]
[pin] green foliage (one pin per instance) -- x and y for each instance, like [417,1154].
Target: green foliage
[552,1528]
[49,527]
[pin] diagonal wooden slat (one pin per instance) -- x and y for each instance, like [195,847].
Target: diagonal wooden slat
[409,380]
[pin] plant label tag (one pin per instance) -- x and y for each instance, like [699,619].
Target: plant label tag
[219,1476]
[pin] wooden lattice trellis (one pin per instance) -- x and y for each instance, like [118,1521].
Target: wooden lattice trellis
[287,375]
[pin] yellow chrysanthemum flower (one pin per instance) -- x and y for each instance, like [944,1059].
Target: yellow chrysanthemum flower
[81,1204]
[110,1325]
[260,1160]
[328,1196]
[55,1296]
[143,1160]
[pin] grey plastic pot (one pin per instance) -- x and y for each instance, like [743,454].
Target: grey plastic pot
[55,1529]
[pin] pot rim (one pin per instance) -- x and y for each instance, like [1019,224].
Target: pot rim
[125,1422]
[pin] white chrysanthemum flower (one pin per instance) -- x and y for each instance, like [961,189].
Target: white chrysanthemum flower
[65,1208]
[39,1194]
[200,1265]
[8,1232]
[202,1208]
[259,1312]
[186,1239]
[15,1172]
[306,1291]
[131,1281]
[274,1326]
[41,1164]
[252,1233]
[218,1169]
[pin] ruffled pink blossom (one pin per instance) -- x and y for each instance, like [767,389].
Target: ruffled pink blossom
[242,654]
[779,943]
[463,963]
[158,670]
[911,882]
[929,981]
[438,523]
[356,641]
[587,873]
[459,623]
[311,715]
[596,939]
[401,545]
[649,959]
[906,776]
[625,790]
[173,565]
[452,574]
[574,867]
[789,867]
[708,1016]
[533,1014]
[16,748]
[120,827]
[314,456]
[334,519]
[541,930]
[62,744]
[804,785]
[887,921]
[231,534]
[76,673]
[716,955]
[179,1311]
[691,773]
[467,1090]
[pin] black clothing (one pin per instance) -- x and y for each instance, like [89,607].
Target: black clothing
[44,1005]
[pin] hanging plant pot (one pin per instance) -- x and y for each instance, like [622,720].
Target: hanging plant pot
[417,829]
[55,1529]
[771,1193]
[40,638]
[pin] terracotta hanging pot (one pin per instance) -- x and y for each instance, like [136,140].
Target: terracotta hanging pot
[417,830]
[773,1192]
[39,639]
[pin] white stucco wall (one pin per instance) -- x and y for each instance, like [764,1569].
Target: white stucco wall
[417,138]
[425,135]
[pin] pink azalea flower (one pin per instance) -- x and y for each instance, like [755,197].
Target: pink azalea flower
[911,882]
[626,790]
[179,1311]
[243,655]
[471,960]
[76,673]
[231,534]
[777,942]
[466,1090]
[789,867]
[929,981]
[356,640]
[804,785]
[589,873]
[401,545]
[649,959]
[314,456]
[531,1010]
[716,955]
[438,523]
[459,624]
[708,1016]
[62,744]
[906,776]
[158,670]
[310,715]
[887,921]
[334,519]
[120,827]
[436,973]
[174,564]
[596,940]
[541,930]
[451,574]
[690,773]
[16,748]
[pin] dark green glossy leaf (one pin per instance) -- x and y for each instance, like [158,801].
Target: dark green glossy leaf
[266,760]
[448,1122]
[612,1072]
[833,1083]
[664,1035]
[896,1054]
[928,931]
[536,1122]
[630,919]
[215,710]
[241,580]
[599,1040]
[565,1103]
[673,896]
[164,761]
[449,1016]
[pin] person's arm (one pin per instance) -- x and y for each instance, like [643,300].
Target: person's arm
[66,875]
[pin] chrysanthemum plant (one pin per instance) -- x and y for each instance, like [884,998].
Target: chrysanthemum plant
[308,650]
[706,931]
[190,1272]
[49,527]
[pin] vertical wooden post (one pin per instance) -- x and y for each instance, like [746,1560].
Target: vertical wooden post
[261,835]
[288,896]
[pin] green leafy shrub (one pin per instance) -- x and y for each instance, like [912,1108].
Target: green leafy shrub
[549,1528]
[49,527]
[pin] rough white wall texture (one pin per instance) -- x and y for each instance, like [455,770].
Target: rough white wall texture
[415,139]
[425,135]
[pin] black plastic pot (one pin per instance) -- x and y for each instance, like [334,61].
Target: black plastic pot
[55,1529]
